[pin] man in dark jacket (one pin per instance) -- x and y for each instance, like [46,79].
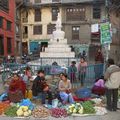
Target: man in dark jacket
[41,87]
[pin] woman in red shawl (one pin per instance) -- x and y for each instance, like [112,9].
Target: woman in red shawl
[16,89]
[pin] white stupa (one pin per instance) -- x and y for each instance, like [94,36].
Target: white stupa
[57,46]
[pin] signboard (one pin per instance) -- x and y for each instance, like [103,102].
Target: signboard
[105,35]
[95,28]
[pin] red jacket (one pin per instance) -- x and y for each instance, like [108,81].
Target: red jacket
[17,85]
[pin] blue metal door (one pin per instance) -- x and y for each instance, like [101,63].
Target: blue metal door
[34,46]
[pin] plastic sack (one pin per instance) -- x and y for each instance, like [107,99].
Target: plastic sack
[27,102]
[3,97]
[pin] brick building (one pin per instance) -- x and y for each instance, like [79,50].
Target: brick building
[7,27]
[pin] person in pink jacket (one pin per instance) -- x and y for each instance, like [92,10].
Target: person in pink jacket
[82,70]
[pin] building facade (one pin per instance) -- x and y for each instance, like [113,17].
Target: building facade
[38,22]
[114,13]
[7,27]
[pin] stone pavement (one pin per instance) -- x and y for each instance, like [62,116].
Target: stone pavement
[108,116]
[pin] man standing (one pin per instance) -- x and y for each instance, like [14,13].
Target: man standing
[112,77]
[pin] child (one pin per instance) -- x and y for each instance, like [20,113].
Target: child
[72,71]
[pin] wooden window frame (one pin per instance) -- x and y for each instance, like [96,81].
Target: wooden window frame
[50,28]
[96,12]
[75,14]
[37,17]
[1,45]
[8,25]
[9,45]
[1,22]
[55,11]
[37,30]
[4,5]
[75,32]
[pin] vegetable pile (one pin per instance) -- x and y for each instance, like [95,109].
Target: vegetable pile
[88,107]
[58,112]
[23,111]
[40,112]
[3,107]
[75,109]
[11,111]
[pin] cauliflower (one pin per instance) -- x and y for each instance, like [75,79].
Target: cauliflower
[19,112]
[26,114]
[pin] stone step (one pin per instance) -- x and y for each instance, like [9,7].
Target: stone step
[58,49]
[58,46]
[53,41]
[57,54]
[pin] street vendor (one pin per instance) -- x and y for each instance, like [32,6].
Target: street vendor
[41,87]
[17,88]
[65,90]
[99,86]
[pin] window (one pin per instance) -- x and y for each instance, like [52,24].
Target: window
[9,45]
[9,25]
[4,5]
[75,14]
[96,12]
[75,32]
[1,46]
[37,1]
[25,32]
[37,15]
[37,30]
[1,22]
[50,28]
[54,13]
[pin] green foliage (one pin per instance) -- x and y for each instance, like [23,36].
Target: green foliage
[88,107]
[11,111]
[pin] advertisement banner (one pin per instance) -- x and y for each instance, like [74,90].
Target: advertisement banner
[105,35]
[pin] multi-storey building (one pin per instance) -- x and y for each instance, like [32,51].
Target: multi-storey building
[7,28]
[39,17]
[114,13]
[18,33]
